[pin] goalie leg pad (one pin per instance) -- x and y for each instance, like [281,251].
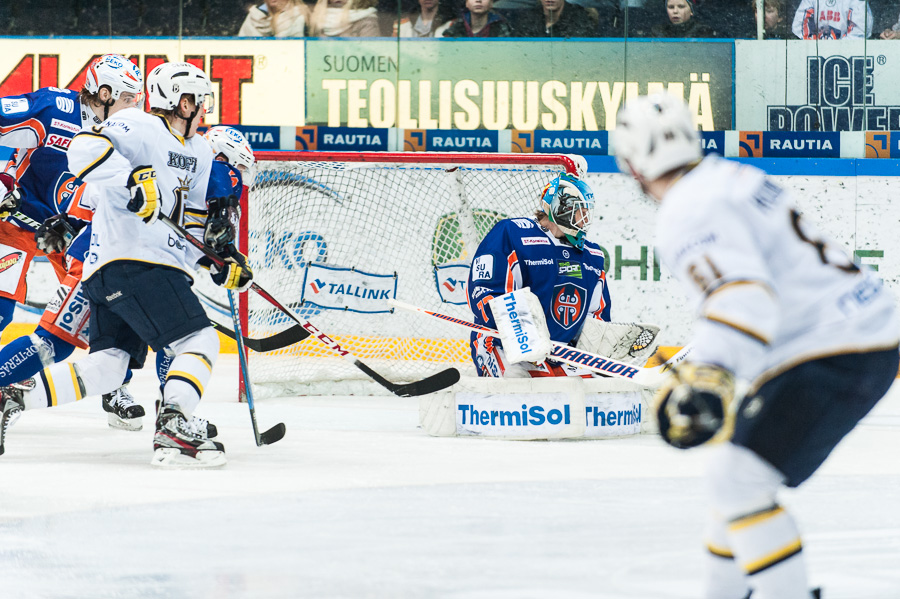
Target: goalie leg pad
[523,328]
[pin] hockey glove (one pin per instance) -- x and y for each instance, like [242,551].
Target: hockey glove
[144,193]
[11,198]
[221,223]
[235,274]
[522,326]
[54,235]
[693,405]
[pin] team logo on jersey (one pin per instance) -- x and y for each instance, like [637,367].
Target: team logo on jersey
[570,269]
[535,241]
[565,253]
[9,260]
[66,105]
[569,303]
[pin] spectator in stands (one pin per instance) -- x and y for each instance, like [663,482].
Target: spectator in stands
[893,33]
[833,19]
[479,20]
[681,22]
[344,18]
[428,19]
[276,18]
[775,25]
[556,18]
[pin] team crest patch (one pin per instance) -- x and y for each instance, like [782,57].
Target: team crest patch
[569,304]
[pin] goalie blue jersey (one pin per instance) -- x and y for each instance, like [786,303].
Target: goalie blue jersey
[40,125]
[570,283]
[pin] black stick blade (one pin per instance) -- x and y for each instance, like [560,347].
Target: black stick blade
[435,382]
[273,435]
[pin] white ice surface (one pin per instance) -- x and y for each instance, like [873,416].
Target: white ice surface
[357,502]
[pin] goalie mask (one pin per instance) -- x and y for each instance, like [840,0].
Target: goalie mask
[569,204]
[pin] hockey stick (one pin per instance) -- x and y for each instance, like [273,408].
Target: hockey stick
[280,340]
[648,377]
[276,432]
[435,382]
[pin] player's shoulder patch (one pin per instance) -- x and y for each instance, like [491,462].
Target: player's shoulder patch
[524,223]
[13,105]
[483,268]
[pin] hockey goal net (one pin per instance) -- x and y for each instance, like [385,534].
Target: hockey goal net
[333,236]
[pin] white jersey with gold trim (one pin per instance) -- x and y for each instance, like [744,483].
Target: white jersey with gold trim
[105,156]
[769,289]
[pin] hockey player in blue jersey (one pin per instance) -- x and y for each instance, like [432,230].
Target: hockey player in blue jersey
[549,255]
[40,125]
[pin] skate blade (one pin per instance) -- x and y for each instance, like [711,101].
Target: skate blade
[133,424]
[169,457]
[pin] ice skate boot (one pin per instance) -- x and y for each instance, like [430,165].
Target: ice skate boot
[11,407]
[122,411]
[200,425]
[178,444]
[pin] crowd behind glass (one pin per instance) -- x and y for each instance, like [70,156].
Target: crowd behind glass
[781,19]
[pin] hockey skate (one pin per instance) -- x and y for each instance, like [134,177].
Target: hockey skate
[180,445]
[122,411]
[200,425]
[11,407]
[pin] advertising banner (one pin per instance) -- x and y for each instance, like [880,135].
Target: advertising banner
[815,86]
[495,85]
[256,82]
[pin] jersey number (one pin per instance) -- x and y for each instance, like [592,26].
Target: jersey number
[820,246]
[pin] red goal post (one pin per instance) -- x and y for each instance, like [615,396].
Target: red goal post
[333,235]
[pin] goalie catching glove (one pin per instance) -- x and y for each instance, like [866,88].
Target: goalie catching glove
[144,193]
[224,214]
[54,235]
[520,320]
[235,274]
[694,404]
[11,198]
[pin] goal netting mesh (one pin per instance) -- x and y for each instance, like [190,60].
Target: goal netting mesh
[334,236]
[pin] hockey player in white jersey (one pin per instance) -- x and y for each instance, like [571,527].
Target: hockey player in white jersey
[779,306]
[137,271]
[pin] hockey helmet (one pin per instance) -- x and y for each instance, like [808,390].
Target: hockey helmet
[654,135]
[169,81]
[232,144]
[117,73]
[569,204]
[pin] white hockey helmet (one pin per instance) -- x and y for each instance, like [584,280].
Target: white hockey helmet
[232,144]
[654,135]
[117,73]
[170,80]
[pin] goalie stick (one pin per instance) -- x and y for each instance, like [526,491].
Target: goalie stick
[275,433]
[648,377]
[435,382]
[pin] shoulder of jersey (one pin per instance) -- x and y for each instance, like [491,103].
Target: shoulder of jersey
[592,249]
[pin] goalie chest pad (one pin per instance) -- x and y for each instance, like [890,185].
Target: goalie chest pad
[570,284]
